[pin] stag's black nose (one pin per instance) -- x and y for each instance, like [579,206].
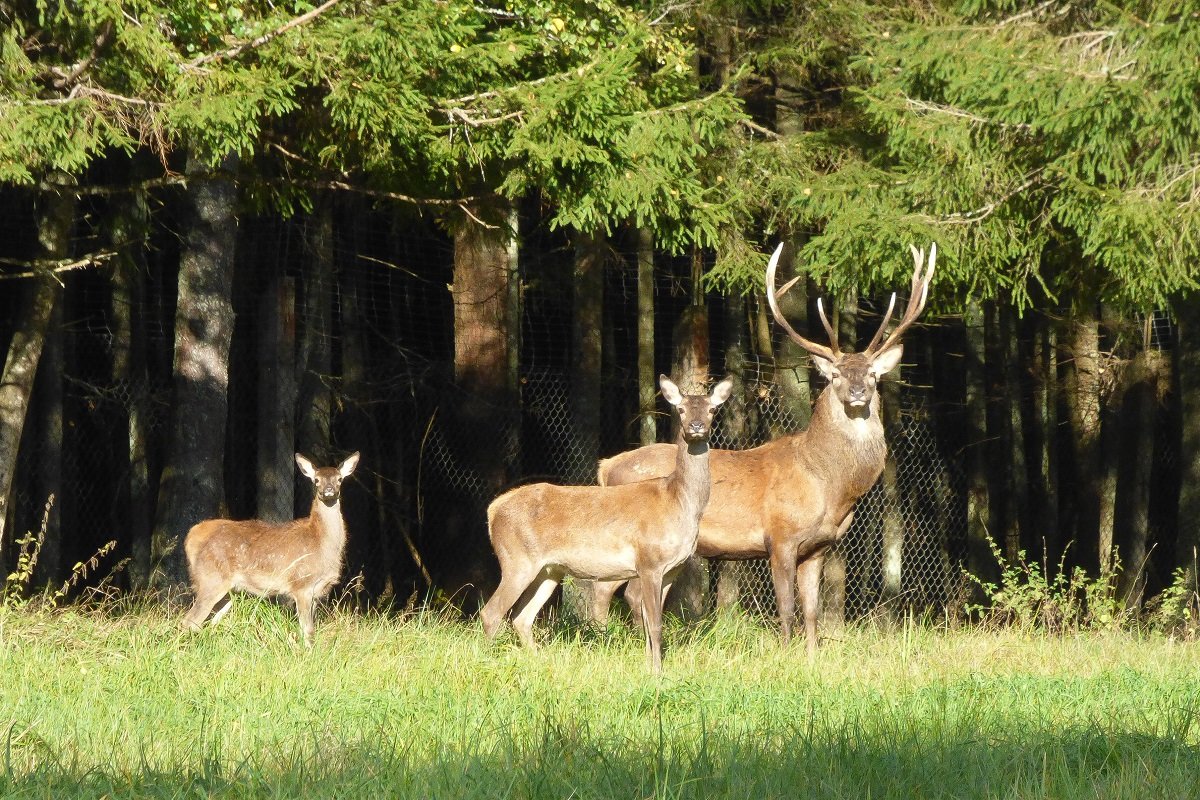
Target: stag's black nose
[696,428]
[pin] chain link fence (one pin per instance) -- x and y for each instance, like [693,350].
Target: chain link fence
[374,356]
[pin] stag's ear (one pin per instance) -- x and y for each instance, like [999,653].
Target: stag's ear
[721,391]
[885,362]
[306,467]
[824,366]
[670,391]
[348,465]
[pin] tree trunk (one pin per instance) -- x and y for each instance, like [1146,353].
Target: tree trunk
[192,487]
[587,350]
[690,371]
[48,394]
[791,373]
[482,423]
[1017,478]
[980,561]
[1083,402]
[1045,425]
[41,295]
[276,495]
[647,380]
[129,226]
[1187,371]
[314,408]
[892,566]
[1138,425]
[737,428]
[838,571]
[587,358]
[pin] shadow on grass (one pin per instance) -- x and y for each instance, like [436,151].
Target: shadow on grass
[581,761]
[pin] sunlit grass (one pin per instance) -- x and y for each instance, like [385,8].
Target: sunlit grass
[121,703]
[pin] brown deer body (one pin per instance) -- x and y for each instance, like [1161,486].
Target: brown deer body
[791,499]
[542,532]
[301,559]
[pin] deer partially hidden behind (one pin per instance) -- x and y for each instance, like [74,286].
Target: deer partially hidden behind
[542,532]
[301,559]
[791,499]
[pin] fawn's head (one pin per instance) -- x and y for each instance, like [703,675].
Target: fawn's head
[853,376]
[327,481]
[696,411]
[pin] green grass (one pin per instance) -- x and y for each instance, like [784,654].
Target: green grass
[122,704]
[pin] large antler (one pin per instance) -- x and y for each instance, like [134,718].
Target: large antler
[917,296]
[830,353]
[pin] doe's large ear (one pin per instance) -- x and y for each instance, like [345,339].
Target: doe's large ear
[349,464]
[306,467]
[721,391]
[670,391]
[885,362]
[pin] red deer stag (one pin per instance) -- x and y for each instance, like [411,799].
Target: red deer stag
[301,558]
[791,499]
[542,532]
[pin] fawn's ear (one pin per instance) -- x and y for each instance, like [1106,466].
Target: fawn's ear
[721,391]
[670,391]
[306,467]
[349,464]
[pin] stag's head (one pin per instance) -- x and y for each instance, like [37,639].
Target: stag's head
[327,481]
[853,376]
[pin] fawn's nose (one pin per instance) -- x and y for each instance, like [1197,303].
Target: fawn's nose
[696,428]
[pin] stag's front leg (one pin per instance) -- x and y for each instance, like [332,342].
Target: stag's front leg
[808,583]
[783,570]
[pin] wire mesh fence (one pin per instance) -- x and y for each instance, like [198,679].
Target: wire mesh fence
[371,369]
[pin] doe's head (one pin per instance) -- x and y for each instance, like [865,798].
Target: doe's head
[696,411]
[327,481]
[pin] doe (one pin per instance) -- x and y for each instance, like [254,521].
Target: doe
[542,532]
[301,558]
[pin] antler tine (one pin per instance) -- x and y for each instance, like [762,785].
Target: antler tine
[829,329]
[887,317]
[918,295]
[773,302]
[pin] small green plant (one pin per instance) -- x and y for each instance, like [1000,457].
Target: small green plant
[29,547]
[17,590]
[1028,596]
[1176,611]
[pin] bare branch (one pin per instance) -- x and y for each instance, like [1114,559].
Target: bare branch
[233,52]
[39,267]
[938,108]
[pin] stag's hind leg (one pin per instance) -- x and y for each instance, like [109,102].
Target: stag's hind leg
[602,596]
[513,583]
[543,587]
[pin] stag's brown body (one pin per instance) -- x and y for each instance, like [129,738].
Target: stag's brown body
[543,532]
[790,500]
[301,559]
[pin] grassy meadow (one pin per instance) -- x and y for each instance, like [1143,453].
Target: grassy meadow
[118,702]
